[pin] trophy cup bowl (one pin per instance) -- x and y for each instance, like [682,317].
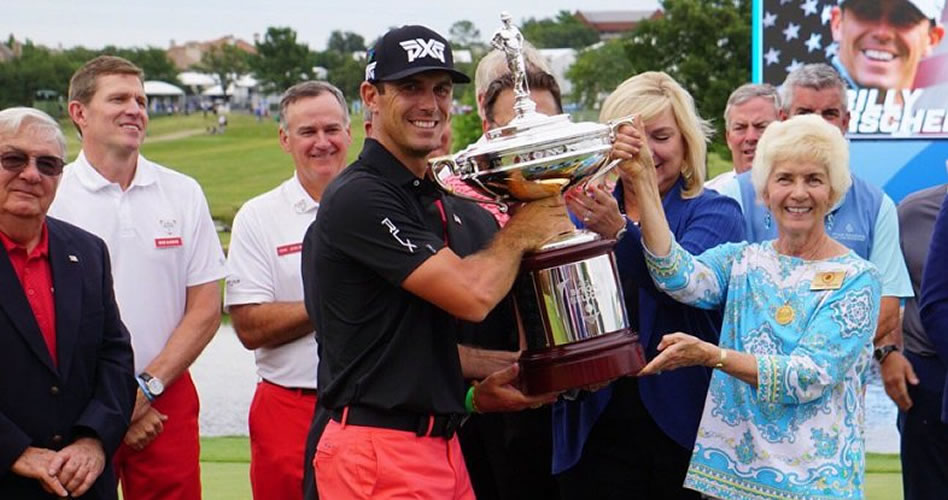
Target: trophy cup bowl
[569,303]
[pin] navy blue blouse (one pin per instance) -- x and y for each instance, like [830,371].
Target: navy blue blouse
[674,399]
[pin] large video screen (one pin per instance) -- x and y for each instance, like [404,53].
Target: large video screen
[892,53]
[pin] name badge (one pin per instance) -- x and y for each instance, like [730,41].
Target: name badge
[828,280]
[168,242]
[288,249]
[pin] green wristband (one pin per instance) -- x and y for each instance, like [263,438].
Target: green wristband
[469,401]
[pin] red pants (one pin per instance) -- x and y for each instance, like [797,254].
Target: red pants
[168,468]
[369,462]
[279,422]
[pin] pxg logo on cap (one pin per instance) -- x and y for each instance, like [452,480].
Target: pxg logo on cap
[409,50]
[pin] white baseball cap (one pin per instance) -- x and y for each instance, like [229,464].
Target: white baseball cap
[931,8]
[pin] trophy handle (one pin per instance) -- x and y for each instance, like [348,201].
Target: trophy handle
[603,170]
[608,165]
[615,124]
[437,165]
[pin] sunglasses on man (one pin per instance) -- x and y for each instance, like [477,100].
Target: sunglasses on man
[898,14]
[48,165]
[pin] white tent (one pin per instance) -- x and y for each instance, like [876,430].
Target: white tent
[157,88]
[216,91]
[195,79]
[246,81]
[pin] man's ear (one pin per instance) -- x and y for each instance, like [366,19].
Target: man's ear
[284,139]
[369,94]
[935,35]
[836,21]
[77,113]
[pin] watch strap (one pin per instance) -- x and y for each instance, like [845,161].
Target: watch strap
[883,352]
[141,385]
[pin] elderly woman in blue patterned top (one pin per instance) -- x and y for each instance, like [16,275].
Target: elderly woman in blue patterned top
[783,417]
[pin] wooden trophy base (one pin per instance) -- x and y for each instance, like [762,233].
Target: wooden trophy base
[579,364]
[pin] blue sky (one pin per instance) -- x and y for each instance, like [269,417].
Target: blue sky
[125,23]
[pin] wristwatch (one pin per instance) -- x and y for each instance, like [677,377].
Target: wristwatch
[151,386]
[622,230]
[881,352]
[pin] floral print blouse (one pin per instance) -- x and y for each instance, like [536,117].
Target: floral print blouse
[799,433]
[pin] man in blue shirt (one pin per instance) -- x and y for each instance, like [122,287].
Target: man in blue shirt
[865,220]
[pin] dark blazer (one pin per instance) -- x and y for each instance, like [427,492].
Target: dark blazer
[92,391]
[934,299]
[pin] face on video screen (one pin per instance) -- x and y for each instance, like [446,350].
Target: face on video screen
[880,43]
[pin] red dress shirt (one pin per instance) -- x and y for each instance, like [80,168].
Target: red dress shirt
[36,278]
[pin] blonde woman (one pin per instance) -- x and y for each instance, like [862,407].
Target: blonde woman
[633,439]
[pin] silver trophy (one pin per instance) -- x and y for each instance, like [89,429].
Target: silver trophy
[568,297]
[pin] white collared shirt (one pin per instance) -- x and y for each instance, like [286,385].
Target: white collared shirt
[719,181]
[161,240]
[264,266]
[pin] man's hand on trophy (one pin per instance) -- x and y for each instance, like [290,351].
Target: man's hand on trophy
[597,208]
[499,393]
[631,146]
[536,222]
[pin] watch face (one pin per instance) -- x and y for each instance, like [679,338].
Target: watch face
[155,386]
[884,351]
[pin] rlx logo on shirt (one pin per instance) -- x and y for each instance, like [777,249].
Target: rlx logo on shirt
[394,232]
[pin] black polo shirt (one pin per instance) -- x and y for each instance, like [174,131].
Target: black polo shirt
[380,345]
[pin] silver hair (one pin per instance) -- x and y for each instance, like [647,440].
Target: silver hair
[747,92]
[817,76]
[312,88]
[12,120]
[803,138]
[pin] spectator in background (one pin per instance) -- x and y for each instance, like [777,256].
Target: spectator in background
[923,421]
[750,108]
[167,265]
[265,288]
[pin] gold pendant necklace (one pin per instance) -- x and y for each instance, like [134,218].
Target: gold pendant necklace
[784,314]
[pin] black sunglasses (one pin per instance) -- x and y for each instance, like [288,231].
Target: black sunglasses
[47,165]
[904,15]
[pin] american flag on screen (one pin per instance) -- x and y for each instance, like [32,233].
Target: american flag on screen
[795,32]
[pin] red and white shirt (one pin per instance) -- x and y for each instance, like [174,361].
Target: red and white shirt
[264,266]
[161,240]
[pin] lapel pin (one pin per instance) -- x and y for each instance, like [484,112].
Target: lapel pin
[73,258]
[457,219]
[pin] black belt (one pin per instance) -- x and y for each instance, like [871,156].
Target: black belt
[422,425]
[303,391]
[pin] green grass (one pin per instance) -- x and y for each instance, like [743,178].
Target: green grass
[225,471]
[717,164]
[225,480]
[231,167]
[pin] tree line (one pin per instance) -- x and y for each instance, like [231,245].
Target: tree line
[704,44]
